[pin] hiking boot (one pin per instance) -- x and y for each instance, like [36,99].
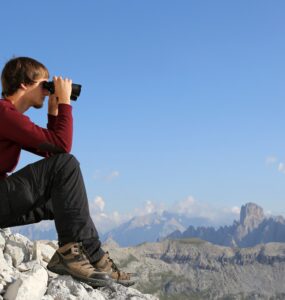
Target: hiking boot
[106,264]
[71,259]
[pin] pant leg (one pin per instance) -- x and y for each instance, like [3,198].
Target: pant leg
[51,188]
[44,212]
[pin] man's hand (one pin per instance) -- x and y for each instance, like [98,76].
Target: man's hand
[63,89]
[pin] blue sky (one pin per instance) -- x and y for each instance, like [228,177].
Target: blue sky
[180,98]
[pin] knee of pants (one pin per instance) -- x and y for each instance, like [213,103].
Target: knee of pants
[68,158]
[69,161]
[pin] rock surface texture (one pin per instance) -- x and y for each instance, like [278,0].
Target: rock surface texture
[196,269]
[172,269]
[23,275]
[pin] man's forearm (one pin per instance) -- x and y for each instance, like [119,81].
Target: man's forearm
[53,112]
[52,105]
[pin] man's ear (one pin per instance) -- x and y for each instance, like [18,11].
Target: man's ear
[23,86]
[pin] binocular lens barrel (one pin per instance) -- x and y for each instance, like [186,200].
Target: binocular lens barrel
[75,92]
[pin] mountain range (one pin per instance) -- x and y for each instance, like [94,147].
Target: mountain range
[252,228]
[150,228]
[195,269]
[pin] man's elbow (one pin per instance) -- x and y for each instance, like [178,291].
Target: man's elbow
[51,148]
[66,147]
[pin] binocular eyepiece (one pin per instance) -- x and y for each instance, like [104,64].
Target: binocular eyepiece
[75,92]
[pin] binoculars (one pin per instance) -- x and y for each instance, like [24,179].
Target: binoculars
[75,92]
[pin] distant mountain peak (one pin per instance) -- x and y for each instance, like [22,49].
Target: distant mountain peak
[145,220]
[254,228]
[251,215]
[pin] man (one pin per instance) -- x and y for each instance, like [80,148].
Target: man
[53,187]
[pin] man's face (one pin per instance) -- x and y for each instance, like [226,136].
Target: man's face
[36,94]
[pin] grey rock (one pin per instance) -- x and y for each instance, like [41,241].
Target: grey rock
[2,287]
[19,248]
[8,259]
[23,267]
[29,285]
[65,288]
[47,297]
[17,251]
[7,273]
[43,251]
[2,241]
[192,268]
[23,275]
[119,292]
[6,232]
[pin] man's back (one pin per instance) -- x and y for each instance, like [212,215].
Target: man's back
[18,132]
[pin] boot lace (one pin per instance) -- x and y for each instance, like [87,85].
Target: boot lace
[121,275]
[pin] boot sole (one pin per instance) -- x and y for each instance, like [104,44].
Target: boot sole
[90,281]
[125,283]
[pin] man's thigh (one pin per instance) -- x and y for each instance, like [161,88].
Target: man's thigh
[25,196]
[17,193]
[22,192]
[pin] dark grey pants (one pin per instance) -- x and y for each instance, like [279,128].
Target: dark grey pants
[51,189]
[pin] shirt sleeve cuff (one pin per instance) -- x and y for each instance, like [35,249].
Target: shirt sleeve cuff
[64,108]
[51,121]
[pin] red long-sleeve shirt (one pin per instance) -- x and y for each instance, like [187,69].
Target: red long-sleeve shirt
[18,132]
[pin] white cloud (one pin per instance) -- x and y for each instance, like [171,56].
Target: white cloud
[189,206]
[105,221]
[271,160]
[281,167]
[193,208]
[105,176]
[100,203]
[113,175]
[235,210]
[148,208]
[211,212]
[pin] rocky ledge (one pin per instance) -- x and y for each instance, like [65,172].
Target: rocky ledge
[23,275]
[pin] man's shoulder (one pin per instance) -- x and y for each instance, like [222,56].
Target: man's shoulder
[6,104]
[9,111]
[7,108]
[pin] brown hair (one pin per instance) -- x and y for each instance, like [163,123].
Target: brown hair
[21,70]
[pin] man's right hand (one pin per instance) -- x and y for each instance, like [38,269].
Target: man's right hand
[62,89]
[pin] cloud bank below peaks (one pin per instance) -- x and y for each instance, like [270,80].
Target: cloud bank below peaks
[189,207]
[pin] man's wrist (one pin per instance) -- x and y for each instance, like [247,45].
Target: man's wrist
[62,100]
[53,112]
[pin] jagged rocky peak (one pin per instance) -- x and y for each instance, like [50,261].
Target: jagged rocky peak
[251,215]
